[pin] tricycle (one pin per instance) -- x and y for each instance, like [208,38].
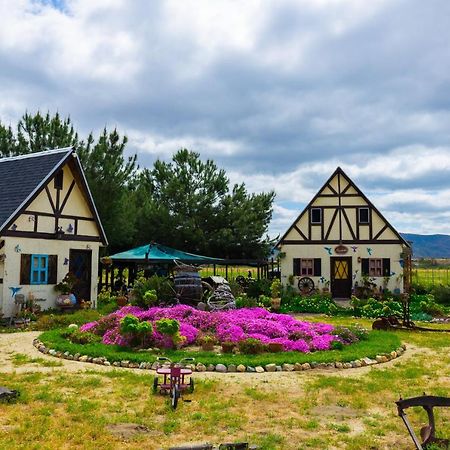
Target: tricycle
[176,379]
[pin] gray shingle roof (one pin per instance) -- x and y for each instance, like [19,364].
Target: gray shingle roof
[21,176]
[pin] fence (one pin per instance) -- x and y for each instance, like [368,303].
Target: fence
[431,277]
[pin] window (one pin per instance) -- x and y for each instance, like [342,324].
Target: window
[59,177]
[305,267]
[376,267]
[316,215]
[364,215]
[39,269]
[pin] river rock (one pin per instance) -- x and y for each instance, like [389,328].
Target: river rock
[306,366]
[241,368]
[338,365]
[201,367]
[288,367]
[259,369]
[222,368]
[232,368]
[271,367]
[250,369]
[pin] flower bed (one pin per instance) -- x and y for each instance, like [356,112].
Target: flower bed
[232,326]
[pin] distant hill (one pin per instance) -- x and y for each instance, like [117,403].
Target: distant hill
[429,246]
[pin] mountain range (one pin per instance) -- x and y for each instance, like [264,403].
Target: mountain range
[429,246]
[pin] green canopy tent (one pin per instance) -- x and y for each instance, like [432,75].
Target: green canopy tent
[149,255]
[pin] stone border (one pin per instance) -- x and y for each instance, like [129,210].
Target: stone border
[222,368]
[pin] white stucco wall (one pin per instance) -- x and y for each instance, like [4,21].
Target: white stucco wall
[391,251]
[11,268]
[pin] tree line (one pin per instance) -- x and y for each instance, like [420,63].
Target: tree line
[186,203]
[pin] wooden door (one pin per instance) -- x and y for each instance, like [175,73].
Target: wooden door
[80,264]
[341,277]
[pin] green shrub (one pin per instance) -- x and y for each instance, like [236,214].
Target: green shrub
[250,346]
[372,308]
[62,320]
[243,301]
[275,288]
[162,287]
[442,295]
[79,337]
[138,330]
[321,304]
[259,287]
[264,301]
[171,328]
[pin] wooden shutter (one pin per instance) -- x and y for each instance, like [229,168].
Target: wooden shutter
[52,269]
[386,267]
[25,269]
[317,267]
[296,269]
[365,266]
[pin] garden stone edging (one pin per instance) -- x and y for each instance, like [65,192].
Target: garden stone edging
[221,368]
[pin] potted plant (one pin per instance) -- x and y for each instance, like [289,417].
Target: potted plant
[228,346]
[66,298]
[275,347]
[207,342]
[121,300]
[275,290]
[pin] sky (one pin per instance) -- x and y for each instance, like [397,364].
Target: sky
[277,92]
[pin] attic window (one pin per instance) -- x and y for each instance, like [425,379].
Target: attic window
[316,215]
[59,180]
[364,215]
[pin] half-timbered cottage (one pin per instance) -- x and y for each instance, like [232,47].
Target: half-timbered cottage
[342,242]
[48,226]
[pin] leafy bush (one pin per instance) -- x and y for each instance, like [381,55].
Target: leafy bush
[345,335]
[161,286]
[243,301]
[420,289]
[171,328]
[320,303]
[259,287]
[372,308]
[442,295]
[264,301]
[131,325]
[81,337]
[62,320]
[275,288]
[250,346]
[424,307]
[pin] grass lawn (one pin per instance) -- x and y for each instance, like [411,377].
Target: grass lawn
[378,342]
[351,409]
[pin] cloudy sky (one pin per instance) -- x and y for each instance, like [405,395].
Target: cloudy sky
[277,92]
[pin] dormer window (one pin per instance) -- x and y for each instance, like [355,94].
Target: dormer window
[363,215]
[316,215]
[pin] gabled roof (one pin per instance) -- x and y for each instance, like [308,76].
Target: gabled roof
[22,177]
[157,253]
[360,193]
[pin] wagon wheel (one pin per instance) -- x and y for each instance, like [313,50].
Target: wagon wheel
[305,285]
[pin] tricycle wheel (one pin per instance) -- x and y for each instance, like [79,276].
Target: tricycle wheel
[155,385]
[175,395]
[191,385]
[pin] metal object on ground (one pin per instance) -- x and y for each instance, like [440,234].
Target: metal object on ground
[8,395]
[427,433]
[222,298]
[306,285]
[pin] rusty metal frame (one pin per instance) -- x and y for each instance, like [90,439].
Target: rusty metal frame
[427,402]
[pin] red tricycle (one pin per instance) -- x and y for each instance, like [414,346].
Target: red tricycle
[177,379]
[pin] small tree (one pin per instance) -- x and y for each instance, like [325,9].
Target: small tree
[131,325]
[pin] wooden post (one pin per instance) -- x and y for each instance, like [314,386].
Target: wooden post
[214,269]
[226,271]
[112,278]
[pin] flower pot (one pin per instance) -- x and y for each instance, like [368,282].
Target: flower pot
[228,347]
[64,301]
[276,303]
[122,301]
[275,347]
[208,346]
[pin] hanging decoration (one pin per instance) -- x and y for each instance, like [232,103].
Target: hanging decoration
[369,251]
[17,249]
[355,274]
[66,261]
[322,280]
[354,248]
[14,290]
[70,228]
[14,227]
[329,250]
[402,263]
[392,274]
[341,249]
